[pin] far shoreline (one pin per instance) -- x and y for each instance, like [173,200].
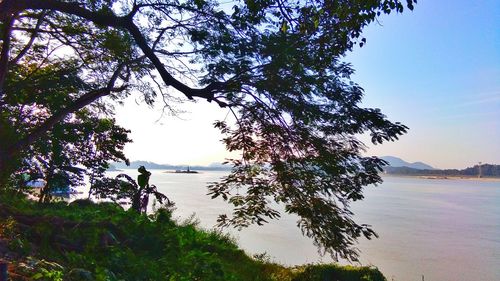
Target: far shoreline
[444,177]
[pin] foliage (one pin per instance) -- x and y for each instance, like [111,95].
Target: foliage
[104,242]
[81,144]
[50,275]
[276,65]
[137,192]
[336,272]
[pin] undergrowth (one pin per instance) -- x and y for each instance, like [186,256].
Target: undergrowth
[89,241]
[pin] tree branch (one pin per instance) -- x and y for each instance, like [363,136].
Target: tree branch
[78,104]
[122,22]
[31,41]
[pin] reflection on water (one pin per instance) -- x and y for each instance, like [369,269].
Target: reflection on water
[442,229]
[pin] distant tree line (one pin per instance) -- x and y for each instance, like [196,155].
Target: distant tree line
[487,170]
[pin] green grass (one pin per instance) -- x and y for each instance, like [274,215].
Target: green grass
[87,241]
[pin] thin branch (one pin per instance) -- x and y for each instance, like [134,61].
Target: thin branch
[167,53]
[123,23]
[34,34]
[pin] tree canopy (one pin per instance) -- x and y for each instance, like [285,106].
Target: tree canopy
[277,65]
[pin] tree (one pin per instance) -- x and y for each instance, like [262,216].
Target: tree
[82,143]
[275,64]
[78,147]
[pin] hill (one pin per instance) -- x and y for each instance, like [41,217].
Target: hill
[398,162]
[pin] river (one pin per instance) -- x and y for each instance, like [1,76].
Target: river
[437,228]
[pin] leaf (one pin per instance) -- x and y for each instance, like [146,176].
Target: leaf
[284,26]
[316,22]
[37,276]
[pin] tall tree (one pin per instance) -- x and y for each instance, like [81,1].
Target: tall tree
[276,64]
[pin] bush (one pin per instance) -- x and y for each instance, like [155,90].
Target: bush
[332,272]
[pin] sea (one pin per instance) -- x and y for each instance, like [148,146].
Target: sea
[429,229]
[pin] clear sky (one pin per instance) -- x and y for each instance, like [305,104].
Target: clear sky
[436,69]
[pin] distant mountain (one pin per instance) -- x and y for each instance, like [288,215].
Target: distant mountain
[152,165]
[398,162]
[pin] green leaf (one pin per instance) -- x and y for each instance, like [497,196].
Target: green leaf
[37,276]
[284,26]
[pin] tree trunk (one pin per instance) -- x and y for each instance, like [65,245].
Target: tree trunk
[6,167]
[136,202]
[2,169]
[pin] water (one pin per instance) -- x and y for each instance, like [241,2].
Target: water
[442,229]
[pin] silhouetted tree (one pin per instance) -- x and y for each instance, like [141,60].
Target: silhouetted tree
[82,143]
[78,147]
[277,65]
[123,187]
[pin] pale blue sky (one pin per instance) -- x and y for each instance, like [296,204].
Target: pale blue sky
[436,69]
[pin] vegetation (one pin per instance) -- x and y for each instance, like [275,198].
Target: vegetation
[77,147]
[137,192]
[275,65]
[80,144]
[87,241]
[486,170]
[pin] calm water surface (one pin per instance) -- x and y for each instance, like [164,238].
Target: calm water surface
[442,229]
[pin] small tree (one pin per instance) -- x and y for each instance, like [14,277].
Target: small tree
[123,187]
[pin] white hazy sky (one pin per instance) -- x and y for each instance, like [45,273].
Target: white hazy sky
[437,70]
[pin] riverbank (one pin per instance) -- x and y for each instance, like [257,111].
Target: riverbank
[460,178]
[444,177]
[88,241]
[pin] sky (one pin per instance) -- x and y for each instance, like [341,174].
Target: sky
[436,70]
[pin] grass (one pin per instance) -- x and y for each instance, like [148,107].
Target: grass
[88,241]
